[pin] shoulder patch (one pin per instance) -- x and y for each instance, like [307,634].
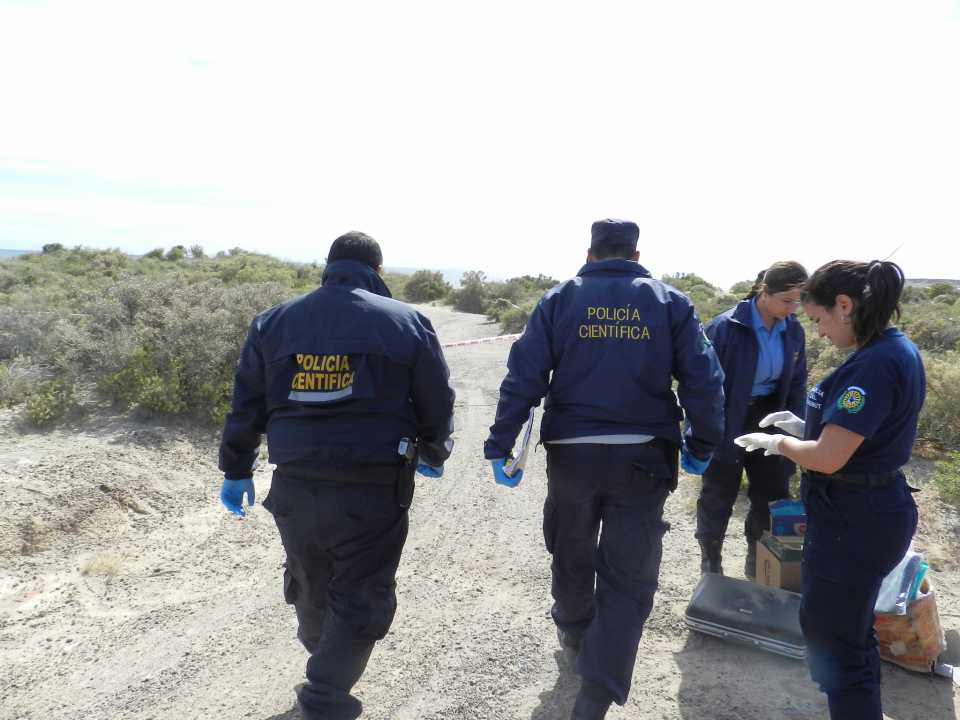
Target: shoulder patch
[852,400]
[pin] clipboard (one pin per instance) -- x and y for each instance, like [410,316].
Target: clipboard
[516,464]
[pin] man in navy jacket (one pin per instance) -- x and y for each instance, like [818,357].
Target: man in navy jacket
[604,349]
[353,392]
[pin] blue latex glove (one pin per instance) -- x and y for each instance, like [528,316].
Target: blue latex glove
[429,470]
[692,465]
[231,495]
[501,477]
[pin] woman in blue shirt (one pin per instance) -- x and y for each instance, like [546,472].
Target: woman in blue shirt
[760,345]
[859,431]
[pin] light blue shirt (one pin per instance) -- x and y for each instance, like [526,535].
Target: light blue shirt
[770,356]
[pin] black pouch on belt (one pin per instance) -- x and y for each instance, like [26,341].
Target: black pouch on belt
[671,454]
[405,472]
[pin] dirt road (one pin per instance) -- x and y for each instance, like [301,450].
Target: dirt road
[126,591]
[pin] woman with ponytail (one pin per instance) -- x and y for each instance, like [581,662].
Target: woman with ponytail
[760,345]
[860,426]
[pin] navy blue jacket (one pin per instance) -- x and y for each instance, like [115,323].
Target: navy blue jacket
[338,377]
[604,348]
[735,341]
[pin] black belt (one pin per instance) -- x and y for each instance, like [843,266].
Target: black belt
[877,480]
[362,474]
[761,400]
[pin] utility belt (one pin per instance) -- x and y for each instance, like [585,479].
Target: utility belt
[870,480]
[400,475]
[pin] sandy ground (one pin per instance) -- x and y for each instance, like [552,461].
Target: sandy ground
[126,591]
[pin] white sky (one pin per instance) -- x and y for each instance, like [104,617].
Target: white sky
[488,137]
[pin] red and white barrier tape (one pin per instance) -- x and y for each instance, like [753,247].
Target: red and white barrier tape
[477,341]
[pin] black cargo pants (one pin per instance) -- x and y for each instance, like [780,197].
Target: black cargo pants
[343,539]
[604,579]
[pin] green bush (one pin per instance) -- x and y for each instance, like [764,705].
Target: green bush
[18,380]
[52,401]
[514,319]
[472,294]
[932,326]
[912,294]
[940,418]
[942,289]
[742,288]
[176,253]
[946,478]
[823,357]
[511,302]
[424,286]
[144,382]
[708,300]
[185,342]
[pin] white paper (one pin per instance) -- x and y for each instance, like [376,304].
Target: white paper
[516,464]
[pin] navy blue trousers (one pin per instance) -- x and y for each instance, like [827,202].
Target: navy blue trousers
[343,542]
[768,475]
[603,525]
[855,536]
[769,480]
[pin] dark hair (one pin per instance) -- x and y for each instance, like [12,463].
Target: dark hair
[605,252]
[356,246]
[874,287]
[779,277]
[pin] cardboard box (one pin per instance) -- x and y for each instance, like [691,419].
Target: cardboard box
[787,517]
[778,561]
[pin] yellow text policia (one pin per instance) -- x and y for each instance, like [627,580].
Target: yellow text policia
[322,372]
[616,323]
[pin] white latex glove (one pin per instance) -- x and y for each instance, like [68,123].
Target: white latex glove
[770,444]
[786,421]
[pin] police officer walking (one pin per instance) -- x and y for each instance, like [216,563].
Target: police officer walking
[353,392]
[760,344]
[859,430]
[603,348]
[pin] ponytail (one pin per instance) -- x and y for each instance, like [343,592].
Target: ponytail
[757,286]
[881,299]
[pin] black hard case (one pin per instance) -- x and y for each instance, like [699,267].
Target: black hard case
[748,613]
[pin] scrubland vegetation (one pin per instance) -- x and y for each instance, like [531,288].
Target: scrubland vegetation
[162,332]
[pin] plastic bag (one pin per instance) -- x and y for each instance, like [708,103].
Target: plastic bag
[914,640]
[899,584]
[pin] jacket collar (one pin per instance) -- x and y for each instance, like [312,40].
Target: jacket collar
[354,274]
[757,321]
[616,266]
[743,313]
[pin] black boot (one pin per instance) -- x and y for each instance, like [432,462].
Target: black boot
[750,565]
[569,640]
[341,657]
[592,703]
[710,556]
[570,644]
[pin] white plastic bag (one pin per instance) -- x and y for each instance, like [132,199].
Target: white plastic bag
[896,586]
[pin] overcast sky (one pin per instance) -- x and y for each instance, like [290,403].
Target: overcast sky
[489,135]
